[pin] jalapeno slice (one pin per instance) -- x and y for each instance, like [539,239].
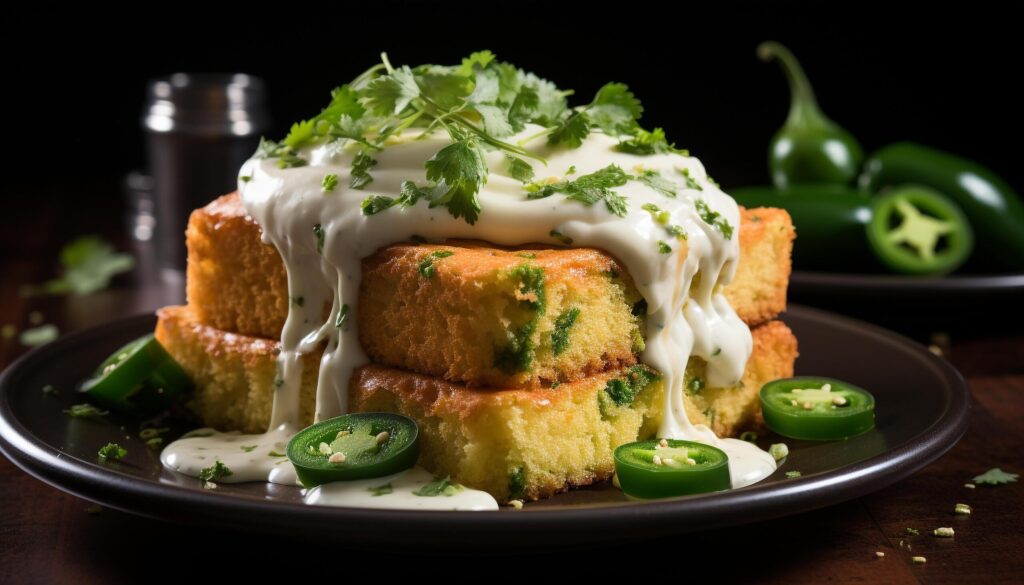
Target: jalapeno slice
[817,409]
[354,446]
[916,230]
[139,378]
[663,468]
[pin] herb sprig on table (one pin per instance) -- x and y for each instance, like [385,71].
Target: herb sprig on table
[478,103]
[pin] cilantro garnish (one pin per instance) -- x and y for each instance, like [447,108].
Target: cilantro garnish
[112,452]
[653,142]
[88,265]
[654,180]
[215,472]
[329,183]
[478,103]
[441,486]
[85,411]
[714,218]
[996,476]
[589,189]
[381,490]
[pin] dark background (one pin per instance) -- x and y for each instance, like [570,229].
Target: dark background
[945,76]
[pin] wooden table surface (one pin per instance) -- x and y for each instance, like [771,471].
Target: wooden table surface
[49,536]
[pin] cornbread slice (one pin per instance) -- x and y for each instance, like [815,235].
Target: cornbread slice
[513,443]
[469,312]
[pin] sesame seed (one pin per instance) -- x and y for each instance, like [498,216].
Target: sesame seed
[969,486]
[838,400]
[337,458]
[943,531]
[382,437]
[691,461]
[657,460]
[663,443]
[325,449]
[517,504]
[962,509]
[919,560]
[827,388]
[209,485]
[343,434]
[879,554]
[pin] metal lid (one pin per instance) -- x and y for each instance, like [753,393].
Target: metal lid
[215,104]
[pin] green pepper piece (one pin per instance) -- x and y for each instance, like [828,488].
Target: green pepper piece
[809,148]
[139,378]
[830,221]
[816,409]
[650,469]
[995,210]
[915,230]
[354,446]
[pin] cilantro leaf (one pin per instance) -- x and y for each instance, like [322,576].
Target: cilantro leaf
[344,102]
[441,486]
[215,472]
[361,170]
[519,169]
[476,60]
[996,476]
[375,204]
[615,109]
[646,143]
[461,167]
[88,265]
[589,189]
[390,94]
[714,218]
[112,452]
[654,180]
[571,130]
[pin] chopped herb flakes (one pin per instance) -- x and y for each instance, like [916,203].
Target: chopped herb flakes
[647,143]
[589,189]
[566,240]
[996,476]
[714,219]
[215,472]
[623,391]
[329,183]
[382,490]
[748,436]
[426,265]
[361,170]
[318,233]
[247,448]
[519,169]
[793,474]
[913,531]
[112,452]
[560,336]
[439,487]
[654,180]
[664,248]
[85,411]
[341,321]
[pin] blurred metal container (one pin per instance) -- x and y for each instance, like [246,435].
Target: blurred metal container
[200,128]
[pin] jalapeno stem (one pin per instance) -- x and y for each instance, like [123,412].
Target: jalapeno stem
[803,106]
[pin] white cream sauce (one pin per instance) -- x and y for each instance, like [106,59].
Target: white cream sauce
[683,320]
[400,492]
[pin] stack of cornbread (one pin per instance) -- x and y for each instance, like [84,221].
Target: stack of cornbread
[521,366]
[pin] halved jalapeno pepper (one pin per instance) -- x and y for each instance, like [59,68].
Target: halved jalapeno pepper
[354,446]
[662,468]
[916,230]
[817,409]
[139,378]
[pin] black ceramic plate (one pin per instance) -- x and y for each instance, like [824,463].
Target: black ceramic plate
[923,409]
[888,285]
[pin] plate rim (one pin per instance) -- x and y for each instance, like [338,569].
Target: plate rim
[128,493]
